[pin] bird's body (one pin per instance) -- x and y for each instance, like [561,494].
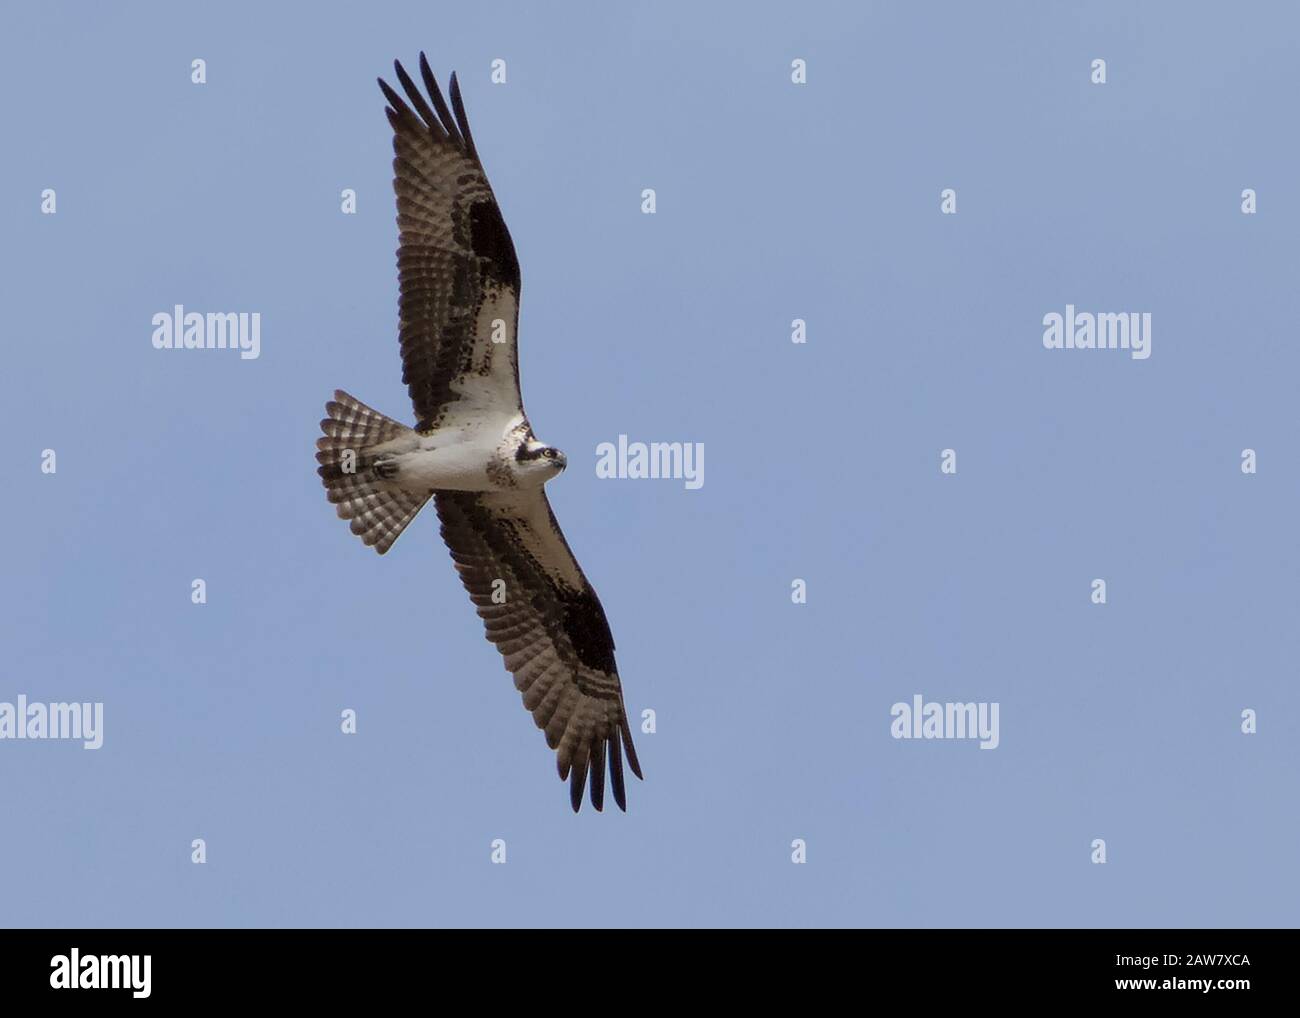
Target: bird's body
[460,457]
[473,449]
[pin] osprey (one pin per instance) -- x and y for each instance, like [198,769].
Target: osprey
[472,449]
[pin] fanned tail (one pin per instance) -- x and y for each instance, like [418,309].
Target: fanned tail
[378,514]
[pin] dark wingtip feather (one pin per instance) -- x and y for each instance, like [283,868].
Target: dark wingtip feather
[439,103]
[616,772]
[598,775]
[417,100]
[394,100]
[408,86]
[399,114]
[632,761]
[577,779]
[462,121]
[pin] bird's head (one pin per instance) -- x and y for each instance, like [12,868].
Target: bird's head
[538,462]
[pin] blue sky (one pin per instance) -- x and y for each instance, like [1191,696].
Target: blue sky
[775,201]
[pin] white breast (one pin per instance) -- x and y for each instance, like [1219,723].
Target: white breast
[455,458]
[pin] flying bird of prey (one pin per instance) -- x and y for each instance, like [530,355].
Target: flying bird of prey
[472,449]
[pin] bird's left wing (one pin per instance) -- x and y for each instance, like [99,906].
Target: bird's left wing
[548,624]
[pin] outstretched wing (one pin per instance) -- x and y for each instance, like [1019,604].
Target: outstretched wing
[459,274]
[550,628]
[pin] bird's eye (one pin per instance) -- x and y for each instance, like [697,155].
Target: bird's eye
[549,454]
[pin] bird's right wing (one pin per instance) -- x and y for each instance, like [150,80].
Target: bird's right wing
[459,275]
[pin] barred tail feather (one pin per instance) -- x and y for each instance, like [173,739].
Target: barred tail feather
[377,513]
